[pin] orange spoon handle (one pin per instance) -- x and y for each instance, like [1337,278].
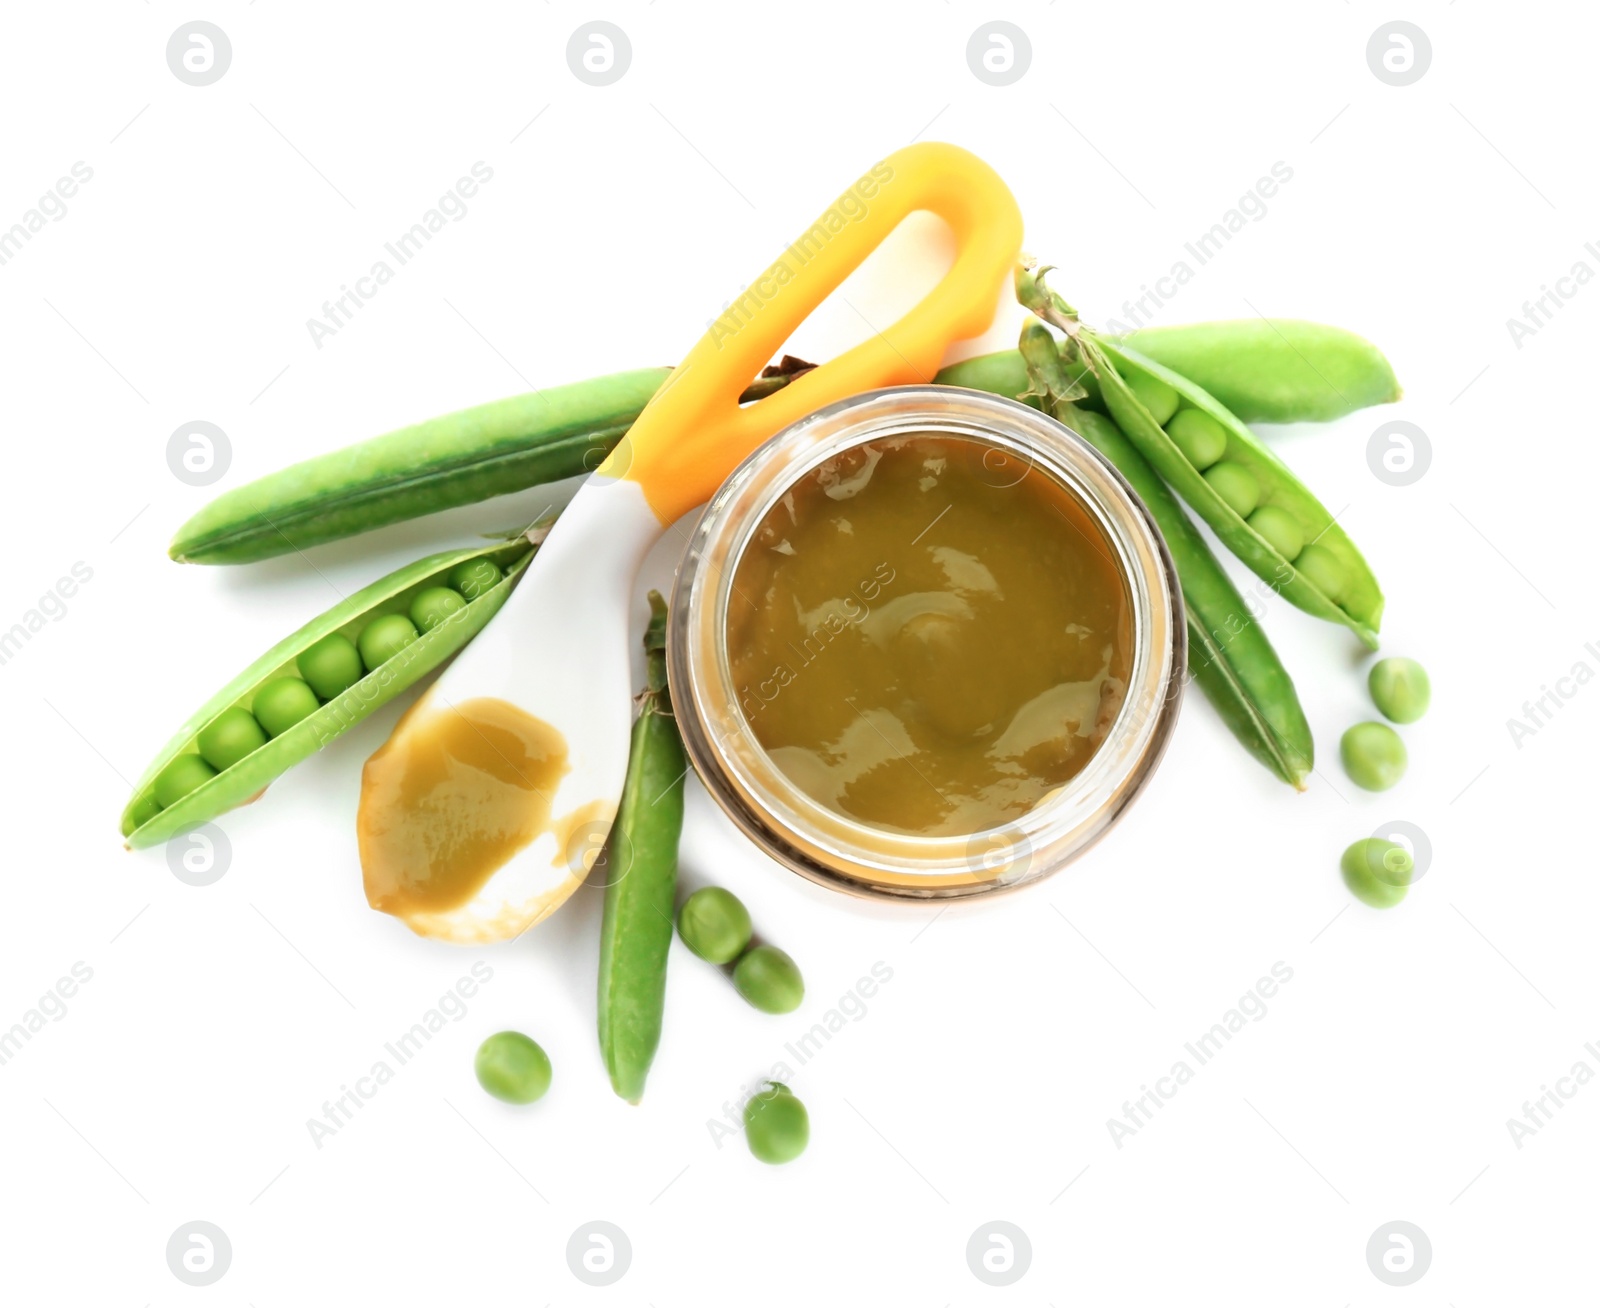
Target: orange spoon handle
[694,431]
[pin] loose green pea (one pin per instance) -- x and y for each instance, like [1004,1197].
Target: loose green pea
[1377,871]
[331,666]
[1317,564]
[714,924]
[1201,437]
[475,576]
[435,605]
[513,1068]
[1400,689]
[383,638]
[139,814]
[1154,394]
[282,702]
[1236,484]
[769,980]
[1373,755]
[776,1125]
[230,736]
[180,776]
[1280,529]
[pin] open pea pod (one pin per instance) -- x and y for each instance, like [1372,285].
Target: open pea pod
[1341,589]
[1289,540]
[1230,656]
[145,823]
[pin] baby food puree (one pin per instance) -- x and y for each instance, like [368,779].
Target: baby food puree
[928,635]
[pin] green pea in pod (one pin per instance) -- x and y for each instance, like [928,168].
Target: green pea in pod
[1230,656]
[181,787]
[1290,541]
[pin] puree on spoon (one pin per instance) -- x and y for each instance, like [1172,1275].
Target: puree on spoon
[446,805]
[928,636]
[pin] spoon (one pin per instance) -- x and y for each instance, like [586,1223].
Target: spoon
[494,795]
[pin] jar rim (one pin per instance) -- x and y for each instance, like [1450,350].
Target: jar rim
[828,847]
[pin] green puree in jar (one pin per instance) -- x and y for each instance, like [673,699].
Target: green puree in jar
[929,636]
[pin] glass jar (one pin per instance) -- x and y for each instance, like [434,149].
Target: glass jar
[829,847]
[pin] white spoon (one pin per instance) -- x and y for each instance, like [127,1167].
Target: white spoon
[558,651]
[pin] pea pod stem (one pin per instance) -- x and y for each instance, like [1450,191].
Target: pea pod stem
[641,883]
[1230,656]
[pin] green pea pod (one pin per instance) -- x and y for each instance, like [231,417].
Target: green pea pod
[1354,599]
[463,458]
[642,877]
[1230,656]
[1324,575]
[143,824]
[1274,369]
[1261,370]
[460,458]
[1002,373]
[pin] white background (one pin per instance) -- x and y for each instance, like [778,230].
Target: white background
[979,1083]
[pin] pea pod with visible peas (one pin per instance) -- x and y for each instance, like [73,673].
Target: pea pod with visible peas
[636,920]
[1289,540]
[312,686]
[1229,653]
